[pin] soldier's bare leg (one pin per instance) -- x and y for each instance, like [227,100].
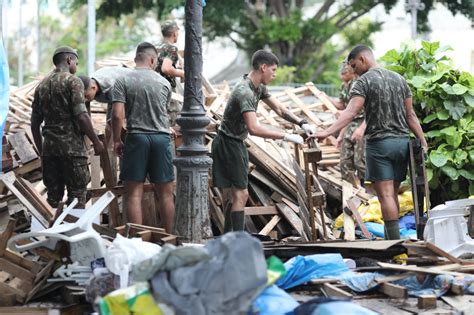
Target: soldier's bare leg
[166,204]
[227,207]
[389,204]
[134,201]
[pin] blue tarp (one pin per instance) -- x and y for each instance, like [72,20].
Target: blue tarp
[4,88]
[301,269]
[274,301]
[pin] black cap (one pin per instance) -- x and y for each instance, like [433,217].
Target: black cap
[65,49]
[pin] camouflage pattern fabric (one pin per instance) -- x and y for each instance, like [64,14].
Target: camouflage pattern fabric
[385,92]
[345,95]
[58,100]
[166,50]
[174,110]
[66,171]
[244,98]
[146,96]
[352,156]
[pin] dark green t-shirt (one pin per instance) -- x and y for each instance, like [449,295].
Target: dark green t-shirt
[146,96]
[244,98]
[385,92]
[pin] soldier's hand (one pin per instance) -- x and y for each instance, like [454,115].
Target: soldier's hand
[99,147]
[308,129]
[118,148]
[339,142]
[293,138]
[357,135]
[319,135]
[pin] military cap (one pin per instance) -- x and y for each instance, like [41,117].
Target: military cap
[65,49]
[168,26]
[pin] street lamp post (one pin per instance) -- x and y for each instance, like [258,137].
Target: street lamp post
[414,6]
[192,205]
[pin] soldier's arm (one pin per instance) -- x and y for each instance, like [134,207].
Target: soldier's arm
[167,68]
[282,111]
[255,129]
[36,121]
[414,123]
[353,108]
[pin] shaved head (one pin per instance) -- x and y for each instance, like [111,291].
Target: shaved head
[359,50]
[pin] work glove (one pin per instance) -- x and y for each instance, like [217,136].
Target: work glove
[293,138]
[308,129]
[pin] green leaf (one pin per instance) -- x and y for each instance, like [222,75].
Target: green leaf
[451,172]
[466,174]
[456,109]
[433,134]
[443,49]
[471,156]
[469,99]
[391,56]
[443,114]
[459,89]
[430,48]
[430,118]
[449,131]
[429,174]
[418,81]
[438,159]
[447,88]
[396,68]
[471,189]
[437,76]
[460,157]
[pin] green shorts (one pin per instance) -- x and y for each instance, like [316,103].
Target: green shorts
[147,154]
[386,159]
[230,162]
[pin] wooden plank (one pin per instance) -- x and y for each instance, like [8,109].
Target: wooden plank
[292,218]
[349,225]
[8,179]
[269,210]
[393,290]
[329,105]
[38,200]
[22,147]
[427,301]
[16,270]
[431,271]
[394,277]
[312,117]
[463,304]
[270,225]
[353,205]
[332,291]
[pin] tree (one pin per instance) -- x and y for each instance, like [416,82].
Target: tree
[313,44]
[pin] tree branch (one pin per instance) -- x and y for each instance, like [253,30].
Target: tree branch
[251,12]
[352,19]
[324,8]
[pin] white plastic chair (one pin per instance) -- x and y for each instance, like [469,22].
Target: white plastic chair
[447,227]
[85,243]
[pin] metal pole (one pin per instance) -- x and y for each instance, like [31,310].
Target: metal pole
[90,36]
[414,6]
[192,204]
[20,48]
[38,35]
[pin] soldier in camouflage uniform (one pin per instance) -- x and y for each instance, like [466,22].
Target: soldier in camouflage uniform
[59,102]
[167,64]
[143,95]
[229,153]
[352,157]
[389,116]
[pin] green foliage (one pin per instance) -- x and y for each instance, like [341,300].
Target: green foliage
[284,75]
[443,99]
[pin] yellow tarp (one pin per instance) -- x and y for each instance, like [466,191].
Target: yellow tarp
[374,214]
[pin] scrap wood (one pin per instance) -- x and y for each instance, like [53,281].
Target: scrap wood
[432,271]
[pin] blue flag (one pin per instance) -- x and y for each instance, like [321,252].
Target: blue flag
[4,89]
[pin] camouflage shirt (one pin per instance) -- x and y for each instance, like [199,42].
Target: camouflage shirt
[244,98]
[166,50]
[146,96]
[105,78]
[345,96]
[58,100]
[385,92]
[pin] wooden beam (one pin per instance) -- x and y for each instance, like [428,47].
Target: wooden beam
[331,290]
[269,210]
[393,290]
[270,225]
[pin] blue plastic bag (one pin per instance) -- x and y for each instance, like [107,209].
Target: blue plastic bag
[273,301]
[301,269]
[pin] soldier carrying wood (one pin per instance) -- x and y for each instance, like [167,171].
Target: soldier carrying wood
[59,102]
[230,166]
